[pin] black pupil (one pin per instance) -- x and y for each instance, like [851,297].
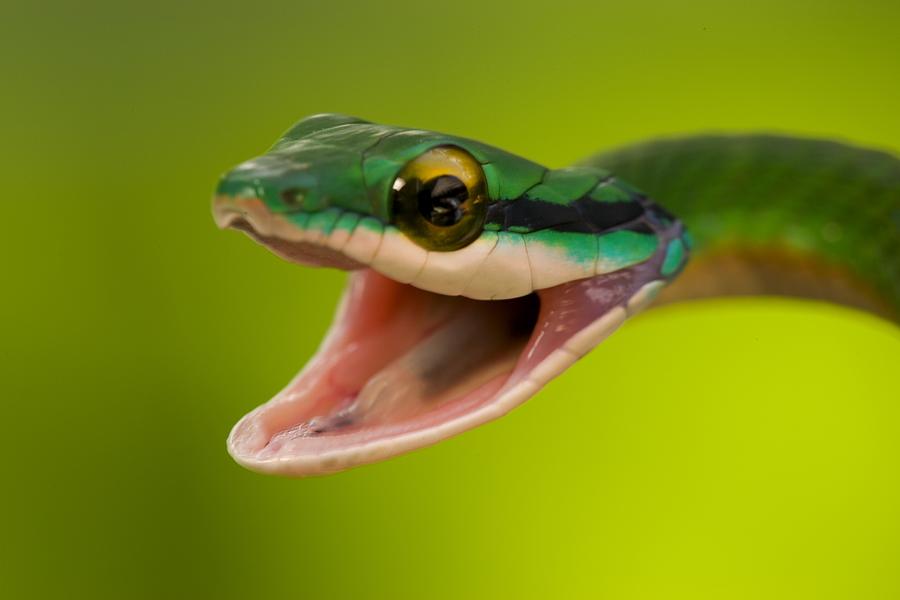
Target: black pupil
[441,200]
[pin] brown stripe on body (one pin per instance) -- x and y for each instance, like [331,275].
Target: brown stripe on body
[742,271]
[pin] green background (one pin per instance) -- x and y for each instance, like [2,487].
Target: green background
[729,449]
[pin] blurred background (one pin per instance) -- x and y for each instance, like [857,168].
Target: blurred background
[728,449]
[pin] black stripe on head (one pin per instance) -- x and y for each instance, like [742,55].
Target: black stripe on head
[531,215]
[603,216]
[584,215]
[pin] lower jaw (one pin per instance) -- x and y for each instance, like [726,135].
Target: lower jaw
[498,353]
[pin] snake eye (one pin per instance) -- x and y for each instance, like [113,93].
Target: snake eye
[439,199]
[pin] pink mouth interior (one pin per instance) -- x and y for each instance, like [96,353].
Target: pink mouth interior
[399,359]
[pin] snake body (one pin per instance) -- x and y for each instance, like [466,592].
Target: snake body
[477,276]
[778,215]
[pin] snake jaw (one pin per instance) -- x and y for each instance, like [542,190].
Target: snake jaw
[404,367]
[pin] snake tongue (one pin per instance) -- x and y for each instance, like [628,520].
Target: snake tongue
[402,368]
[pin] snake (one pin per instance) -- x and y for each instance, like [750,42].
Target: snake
[477,276]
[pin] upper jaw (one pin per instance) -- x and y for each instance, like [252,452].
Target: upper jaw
[497,265]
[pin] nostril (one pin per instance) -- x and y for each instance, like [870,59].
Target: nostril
[293,197]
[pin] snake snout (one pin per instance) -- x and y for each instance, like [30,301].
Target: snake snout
[282,184]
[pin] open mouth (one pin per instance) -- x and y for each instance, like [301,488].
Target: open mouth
[402,368]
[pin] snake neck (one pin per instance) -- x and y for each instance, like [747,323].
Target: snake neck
[774,215]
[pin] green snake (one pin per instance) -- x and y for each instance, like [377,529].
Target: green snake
[477,276]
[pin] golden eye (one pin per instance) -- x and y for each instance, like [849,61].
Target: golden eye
[439,199]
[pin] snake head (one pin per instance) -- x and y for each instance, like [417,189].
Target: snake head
[476,277]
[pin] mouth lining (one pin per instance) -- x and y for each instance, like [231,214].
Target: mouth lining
[397,362]
[402,368]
